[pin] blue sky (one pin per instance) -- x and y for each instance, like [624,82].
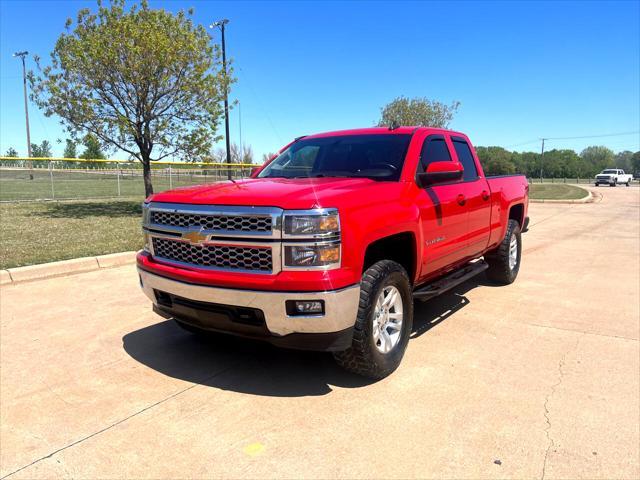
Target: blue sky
[522,70]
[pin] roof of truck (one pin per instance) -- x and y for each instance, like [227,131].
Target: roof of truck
[381,130]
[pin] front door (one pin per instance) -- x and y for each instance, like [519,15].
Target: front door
[443,213]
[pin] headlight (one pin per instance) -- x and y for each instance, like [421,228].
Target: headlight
[147,242]
[312,256]
[145,214]
[314,223]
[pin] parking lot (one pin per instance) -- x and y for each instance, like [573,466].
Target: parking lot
[539,379]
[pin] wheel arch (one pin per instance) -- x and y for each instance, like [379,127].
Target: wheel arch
[517,212]
[398,247]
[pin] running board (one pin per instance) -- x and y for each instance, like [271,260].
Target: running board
[449,281]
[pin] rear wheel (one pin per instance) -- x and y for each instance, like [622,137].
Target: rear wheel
[504,261]
[383,323]
[597,184]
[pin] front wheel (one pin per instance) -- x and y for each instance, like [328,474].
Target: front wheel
[383,323]
[504,261]
[628,183]
[597,184]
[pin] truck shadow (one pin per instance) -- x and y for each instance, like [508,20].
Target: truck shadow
[109,209]
[435,311]
[257,368]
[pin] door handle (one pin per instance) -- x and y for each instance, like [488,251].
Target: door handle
[461,199]
[485,195]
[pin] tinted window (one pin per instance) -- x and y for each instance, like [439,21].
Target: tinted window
[465,157]
[377,156]
[434,149]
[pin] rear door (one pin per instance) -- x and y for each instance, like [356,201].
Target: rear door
[443,217]
[477,197]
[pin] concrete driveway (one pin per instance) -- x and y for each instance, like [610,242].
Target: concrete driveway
[539,379]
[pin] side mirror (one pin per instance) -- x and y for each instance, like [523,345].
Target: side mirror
[440,172]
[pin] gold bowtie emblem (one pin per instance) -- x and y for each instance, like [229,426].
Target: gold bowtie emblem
[194,237]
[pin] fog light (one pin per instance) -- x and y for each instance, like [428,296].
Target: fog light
[304,307]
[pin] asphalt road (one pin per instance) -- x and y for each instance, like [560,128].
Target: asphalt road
[537,379]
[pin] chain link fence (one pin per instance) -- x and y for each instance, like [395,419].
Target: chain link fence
[25,179]
[28,179]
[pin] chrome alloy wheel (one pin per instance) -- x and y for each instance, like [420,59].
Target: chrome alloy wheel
[387,319]
[513,252]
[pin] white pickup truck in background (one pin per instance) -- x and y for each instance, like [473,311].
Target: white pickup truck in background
[613,177]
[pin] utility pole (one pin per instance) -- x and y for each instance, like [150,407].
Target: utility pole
[542,158]
[24,84]
[221,25]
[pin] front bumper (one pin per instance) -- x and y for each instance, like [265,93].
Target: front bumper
[208,307]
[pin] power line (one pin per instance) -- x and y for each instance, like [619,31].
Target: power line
[594,136]
[535,140]
[528,142]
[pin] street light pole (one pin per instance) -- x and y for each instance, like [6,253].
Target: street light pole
[240,130]
[24,84]
[221,24]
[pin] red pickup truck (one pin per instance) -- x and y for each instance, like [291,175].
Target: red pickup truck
[326,246]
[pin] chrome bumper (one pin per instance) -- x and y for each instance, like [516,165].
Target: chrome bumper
[341,306]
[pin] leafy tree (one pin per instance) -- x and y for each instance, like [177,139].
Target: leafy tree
[70,149]
[92,149]
[635,163]
[623,160]
[11,152]
[496,160]
[561,163]
[596,159]
[41,151]
[527,163]
[144,81]
[419,111]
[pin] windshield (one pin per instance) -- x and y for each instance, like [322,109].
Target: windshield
[610,172]
[378,157]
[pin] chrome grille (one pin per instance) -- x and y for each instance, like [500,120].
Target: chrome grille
[215,256]
[240,223]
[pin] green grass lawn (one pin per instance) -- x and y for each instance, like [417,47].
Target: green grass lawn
[17,184]
[556,191]
[39,232]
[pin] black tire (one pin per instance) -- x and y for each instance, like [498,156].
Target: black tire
[499,270]
[628,183]
[363,357]
[597,184]
[613,184]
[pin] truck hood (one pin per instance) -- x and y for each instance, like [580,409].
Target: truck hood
[299,193]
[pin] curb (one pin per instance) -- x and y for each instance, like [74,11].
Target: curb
[65,267]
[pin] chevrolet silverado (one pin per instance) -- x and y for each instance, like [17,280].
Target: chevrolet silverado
[327,245]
